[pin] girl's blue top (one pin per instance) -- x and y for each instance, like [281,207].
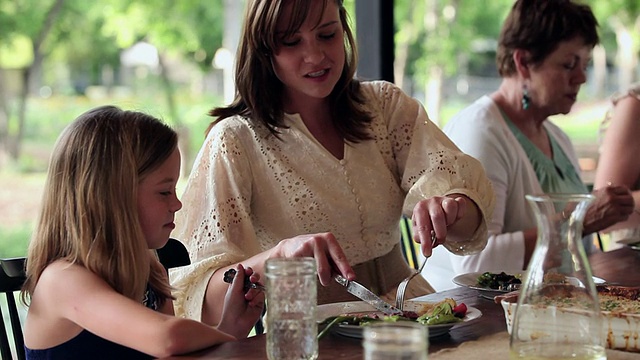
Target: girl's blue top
[87,345]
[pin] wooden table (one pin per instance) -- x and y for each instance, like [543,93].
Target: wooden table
[619,266]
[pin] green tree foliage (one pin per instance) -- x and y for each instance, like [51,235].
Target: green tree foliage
[620,27]
[83,45]
[188,27]
[32,23]
[89,36]
[434,38]
[440,30]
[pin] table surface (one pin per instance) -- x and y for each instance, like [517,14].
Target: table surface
[613,266]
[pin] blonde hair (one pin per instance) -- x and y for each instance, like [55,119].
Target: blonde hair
[89,211]
[259,91]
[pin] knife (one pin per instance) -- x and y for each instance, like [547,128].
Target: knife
[366,295]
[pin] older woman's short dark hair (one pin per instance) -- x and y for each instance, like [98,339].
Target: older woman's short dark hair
[539,26]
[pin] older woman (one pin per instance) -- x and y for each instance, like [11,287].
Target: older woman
[543,52]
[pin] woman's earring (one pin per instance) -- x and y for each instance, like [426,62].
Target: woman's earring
[526,100]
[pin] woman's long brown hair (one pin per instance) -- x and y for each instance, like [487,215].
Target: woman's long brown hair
[259,94]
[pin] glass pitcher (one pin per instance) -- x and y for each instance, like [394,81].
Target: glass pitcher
[558,313]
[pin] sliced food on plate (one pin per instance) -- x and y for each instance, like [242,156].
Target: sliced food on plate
[439,317]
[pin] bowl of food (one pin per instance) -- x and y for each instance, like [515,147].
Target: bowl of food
[620,308]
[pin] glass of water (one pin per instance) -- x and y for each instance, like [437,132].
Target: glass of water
[402,340]
[291,309]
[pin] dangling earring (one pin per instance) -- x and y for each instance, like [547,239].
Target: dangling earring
[526,100]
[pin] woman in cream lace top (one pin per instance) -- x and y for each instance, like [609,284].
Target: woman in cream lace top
[618,163]
[308,162]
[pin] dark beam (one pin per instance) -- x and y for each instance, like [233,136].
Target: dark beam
[374,32]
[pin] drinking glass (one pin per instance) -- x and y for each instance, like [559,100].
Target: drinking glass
[291,309]
[401,340]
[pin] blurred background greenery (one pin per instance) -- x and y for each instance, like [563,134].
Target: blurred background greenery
[59,58]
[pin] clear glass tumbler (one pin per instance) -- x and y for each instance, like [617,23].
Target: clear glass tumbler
[402,340]
[558,313]
[291,309]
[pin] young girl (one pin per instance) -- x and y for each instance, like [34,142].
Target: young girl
[93,287]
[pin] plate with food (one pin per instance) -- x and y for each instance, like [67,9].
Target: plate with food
[495,283]
[491,282]
[348,318]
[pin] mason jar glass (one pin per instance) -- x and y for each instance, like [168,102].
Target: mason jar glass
[291,309]
[401,340]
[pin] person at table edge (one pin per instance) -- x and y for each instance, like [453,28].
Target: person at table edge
[543,52]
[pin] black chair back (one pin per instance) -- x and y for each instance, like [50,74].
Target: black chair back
[12,276]
[173,254]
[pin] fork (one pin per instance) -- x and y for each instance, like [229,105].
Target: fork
[402,288]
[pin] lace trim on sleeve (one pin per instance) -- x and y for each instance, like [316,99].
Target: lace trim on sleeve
[430,164]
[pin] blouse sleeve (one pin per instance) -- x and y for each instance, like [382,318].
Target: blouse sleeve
[429,164]
[504,250]
[216,204]
[486,140]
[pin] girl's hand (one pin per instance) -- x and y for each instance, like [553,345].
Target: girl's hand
[241,310]
[436,214]
[330,259]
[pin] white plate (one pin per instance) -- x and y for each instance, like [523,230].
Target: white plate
[355,331]
[470,280]
[634,246]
